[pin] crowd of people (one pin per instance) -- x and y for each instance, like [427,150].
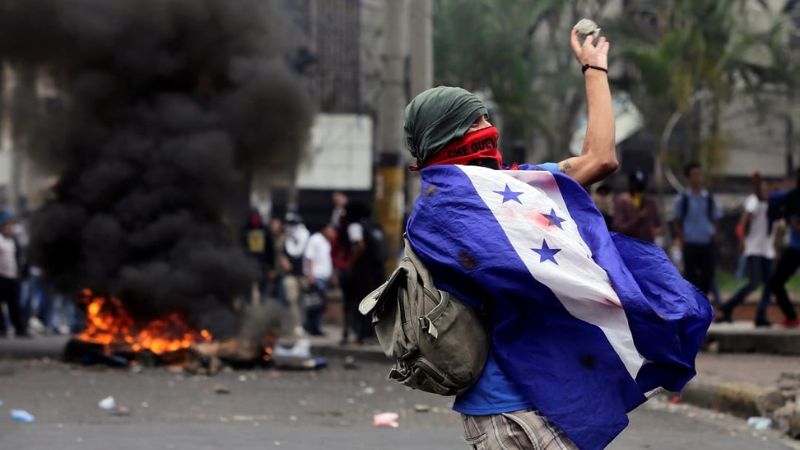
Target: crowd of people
[296,268]
[300,269]
[767,233]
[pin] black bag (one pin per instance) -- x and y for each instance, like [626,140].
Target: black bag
[312,299]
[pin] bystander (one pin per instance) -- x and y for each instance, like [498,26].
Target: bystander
[9,277]
[360,241]
[786,205]
[258,245]
[603,198]
[758,247]
[635,212]
[319,271]
[296,240]
[695,222]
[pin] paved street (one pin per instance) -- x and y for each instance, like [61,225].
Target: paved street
[330,409]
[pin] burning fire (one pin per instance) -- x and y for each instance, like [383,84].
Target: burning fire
[109,324]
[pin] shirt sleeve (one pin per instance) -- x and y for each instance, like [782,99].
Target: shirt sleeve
[751,204]
[311,249]
[548,166]
[676,207]
[355,232]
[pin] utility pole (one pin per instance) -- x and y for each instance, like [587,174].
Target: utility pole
[390,175]
[420,28]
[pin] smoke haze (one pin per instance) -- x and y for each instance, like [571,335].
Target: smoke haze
[169,106]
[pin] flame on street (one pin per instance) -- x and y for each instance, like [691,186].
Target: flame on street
[109,324]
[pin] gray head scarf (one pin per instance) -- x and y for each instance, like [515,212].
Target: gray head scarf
[437,116]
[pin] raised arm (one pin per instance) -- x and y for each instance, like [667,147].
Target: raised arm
[598,159]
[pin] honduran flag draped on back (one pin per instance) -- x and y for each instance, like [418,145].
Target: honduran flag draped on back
[586,322]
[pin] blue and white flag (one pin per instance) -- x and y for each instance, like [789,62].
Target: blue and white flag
[586,322]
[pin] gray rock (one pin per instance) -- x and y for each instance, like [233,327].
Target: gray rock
[787,419]
[769,402]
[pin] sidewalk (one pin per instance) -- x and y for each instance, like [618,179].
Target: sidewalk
[744,337]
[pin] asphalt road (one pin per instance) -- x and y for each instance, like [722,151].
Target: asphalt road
[264,409]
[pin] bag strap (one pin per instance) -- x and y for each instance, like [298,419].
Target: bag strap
[420,270]
[419,267]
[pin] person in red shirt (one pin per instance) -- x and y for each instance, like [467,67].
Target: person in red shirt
[635,212]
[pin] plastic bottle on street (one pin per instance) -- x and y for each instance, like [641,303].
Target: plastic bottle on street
[20,415]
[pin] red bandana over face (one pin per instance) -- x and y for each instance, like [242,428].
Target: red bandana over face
[475,146]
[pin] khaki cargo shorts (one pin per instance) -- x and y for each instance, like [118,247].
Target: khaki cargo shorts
[526,429]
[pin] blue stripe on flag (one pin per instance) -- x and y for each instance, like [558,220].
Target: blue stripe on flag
[657,300]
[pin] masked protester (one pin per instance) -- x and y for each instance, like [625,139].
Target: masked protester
[530,252]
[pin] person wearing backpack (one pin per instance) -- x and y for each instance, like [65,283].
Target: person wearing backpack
[694,226]
[513,295]
[440,123]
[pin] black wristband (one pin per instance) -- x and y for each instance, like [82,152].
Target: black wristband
[589,66]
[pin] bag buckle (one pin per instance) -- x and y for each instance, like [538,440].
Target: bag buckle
[429,327]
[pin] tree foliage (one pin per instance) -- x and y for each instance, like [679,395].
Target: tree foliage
[673,54]
[518,51]
[692,57]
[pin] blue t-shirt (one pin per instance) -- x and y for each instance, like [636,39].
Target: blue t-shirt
[494,392]
[697,228]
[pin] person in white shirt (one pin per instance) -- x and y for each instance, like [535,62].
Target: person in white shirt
[759,250]
[9,277]
[318,269]
[292,263]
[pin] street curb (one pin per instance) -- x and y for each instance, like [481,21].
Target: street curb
[766,341]
[736,398]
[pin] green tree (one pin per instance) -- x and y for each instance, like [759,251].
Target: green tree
[688,58]
[518,51]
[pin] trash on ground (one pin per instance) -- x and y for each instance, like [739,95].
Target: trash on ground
[108,404]
[301,349]
[369,390]
[350,363]
[387,419]
[221,389]
[421,408]
[20,415]
[759,423]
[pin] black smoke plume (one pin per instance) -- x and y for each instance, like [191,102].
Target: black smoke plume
[167,109]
